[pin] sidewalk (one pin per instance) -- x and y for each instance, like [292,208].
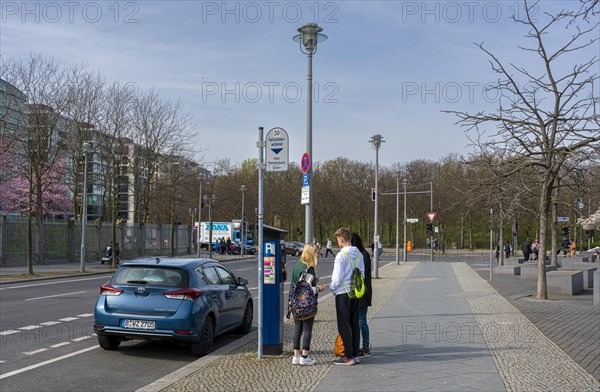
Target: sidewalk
[434,326]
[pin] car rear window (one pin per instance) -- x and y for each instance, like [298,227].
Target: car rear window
[151,275]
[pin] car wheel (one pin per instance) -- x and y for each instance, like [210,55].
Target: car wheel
[207,336]
[108,342]
[247,320]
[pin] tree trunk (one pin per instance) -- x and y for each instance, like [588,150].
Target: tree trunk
[544,208]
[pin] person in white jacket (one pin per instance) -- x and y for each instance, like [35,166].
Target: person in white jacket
[346,260]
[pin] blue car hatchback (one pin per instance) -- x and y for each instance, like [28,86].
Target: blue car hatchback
[184,300]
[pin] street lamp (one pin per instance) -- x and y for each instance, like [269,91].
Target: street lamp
[405,183]
[376,141]
[308,39]
[210,201]
[242,250]
[397,216]
[87,149]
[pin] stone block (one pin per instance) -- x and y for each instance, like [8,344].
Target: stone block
[597,288]
[531,271]
[564,282]
[507,270]
[588,275]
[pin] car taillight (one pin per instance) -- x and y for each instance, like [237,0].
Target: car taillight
[188,293]
[108,290]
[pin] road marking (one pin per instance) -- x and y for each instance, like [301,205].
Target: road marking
[35,351]
[2,361]
[37,365]
[50,322]
[246,269]
[60,344]
[81,338]
[47,283]
[85,315]
[9,332]
[68,319]
[57,295]
[30,327]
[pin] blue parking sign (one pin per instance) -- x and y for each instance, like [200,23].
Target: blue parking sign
[305,179]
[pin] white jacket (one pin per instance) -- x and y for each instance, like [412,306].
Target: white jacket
[343,267]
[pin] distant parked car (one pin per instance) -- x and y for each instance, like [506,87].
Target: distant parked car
[294,248]
[186,300]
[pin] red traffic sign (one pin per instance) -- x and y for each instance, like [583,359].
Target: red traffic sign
[431,216]
[305,163]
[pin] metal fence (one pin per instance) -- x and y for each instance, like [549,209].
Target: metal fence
[59,242]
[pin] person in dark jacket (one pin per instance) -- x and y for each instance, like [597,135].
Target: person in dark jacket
[526,248]
[365,301]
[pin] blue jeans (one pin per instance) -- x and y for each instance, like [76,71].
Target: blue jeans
[364,327]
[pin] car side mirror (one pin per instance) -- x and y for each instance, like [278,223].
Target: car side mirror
[242,281]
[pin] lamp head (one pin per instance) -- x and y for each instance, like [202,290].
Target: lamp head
[243,188]
[309,37]
[376,141]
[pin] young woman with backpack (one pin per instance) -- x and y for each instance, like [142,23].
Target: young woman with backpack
[303,328]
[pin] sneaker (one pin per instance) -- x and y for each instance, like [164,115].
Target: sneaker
[357,360]
[364,353]
[308,361]
[344,361]
[295,360]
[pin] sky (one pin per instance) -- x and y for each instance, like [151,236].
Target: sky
[387,67]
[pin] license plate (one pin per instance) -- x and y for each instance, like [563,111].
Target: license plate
[138,324]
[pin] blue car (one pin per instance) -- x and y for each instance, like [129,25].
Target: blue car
[184,300]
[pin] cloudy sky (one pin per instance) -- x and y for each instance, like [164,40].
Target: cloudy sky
[388,67]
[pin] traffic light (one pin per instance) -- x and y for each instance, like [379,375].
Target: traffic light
[430,228]
[565,231]
[299,230]
[373,190]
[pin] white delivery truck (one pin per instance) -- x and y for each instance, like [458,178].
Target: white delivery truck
[225,230]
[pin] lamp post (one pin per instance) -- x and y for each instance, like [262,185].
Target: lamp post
[308,39]
[398,216]
[242,250]
[192,215]
[199,214]
[376,141]
[405,183]
[87,148]
[210,201]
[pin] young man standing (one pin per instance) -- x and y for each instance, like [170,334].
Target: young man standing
[346,309]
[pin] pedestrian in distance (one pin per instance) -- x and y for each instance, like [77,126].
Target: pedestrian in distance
[535,249]
[303,328]
[572,248]
[526,248]
[565,245]
[329,248]
[346,308]
[365,301]
[507,249]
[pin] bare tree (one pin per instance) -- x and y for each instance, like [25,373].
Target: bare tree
[38,143]
[551,117]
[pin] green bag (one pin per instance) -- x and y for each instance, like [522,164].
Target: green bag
[357,281]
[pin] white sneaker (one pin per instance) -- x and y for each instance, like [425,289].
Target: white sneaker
[295,360]
[308,361]
[356,359]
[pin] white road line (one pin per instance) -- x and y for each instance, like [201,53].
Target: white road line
[50,322]
[68,319]
[30,327]
[85,315]
[47,283]
[37,365]
[36,351]
[2,361]
[9,332]
[246,269]
[60,344]
[81,338]
[57,295]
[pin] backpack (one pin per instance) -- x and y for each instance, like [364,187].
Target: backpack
[357,281]
[303,300]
